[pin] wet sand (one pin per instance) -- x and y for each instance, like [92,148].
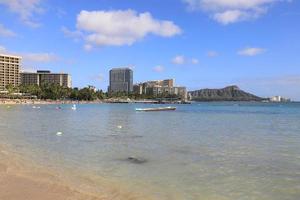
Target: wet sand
[22,181]
[19,183]
[13,187]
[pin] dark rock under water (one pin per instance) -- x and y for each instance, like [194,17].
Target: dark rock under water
[136,160]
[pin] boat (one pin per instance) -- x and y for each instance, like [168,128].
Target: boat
[169,108]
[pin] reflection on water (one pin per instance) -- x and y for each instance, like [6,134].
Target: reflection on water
[201,151]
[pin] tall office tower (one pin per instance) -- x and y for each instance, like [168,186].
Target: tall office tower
[121,80]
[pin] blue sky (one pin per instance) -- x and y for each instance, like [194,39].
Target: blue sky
[201,43]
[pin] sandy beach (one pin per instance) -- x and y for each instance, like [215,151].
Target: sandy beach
[17,182]
[49,102]
[22,181]
[16,187]
[41,102]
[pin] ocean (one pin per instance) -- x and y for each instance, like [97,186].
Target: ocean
[202,151]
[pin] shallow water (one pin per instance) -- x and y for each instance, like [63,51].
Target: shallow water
[208,151]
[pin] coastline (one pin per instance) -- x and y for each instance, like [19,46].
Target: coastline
[41,102]
[22,179]
[52,102]
[10,102]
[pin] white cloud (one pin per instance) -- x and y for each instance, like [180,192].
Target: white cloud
[39,57]
[76,35]
[231,11]
[6,32]
[231,16]
[2,49]
[33,57]
[181,60]
[194,61]
[178,60]
[119,27]
[251,51]
[60,12]
[212,54]
[26,9]
[159,68]
[88,47]
[230,4]
[99,77]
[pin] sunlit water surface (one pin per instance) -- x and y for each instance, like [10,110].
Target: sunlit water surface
[208,151]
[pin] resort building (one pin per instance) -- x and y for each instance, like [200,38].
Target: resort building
[138,88]
[141,88]
[120,80]
[9,71]
[181,92]
[168,83]
[46,77]
[162,83]
[161,88]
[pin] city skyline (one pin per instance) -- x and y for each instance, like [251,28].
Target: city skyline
[202,44]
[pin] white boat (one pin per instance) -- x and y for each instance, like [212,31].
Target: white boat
[169,108]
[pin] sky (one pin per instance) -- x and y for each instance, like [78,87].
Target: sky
[254,44]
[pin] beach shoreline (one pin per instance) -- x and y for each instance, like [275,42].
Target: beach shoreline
[42,102]
[22,179]
[55,102]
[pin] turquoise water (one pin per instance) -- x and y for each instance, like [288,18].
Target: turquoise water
[208,151]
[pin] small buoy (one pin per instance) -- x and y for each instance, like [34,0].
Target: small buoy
[74,107]
[59,133]
[119,127]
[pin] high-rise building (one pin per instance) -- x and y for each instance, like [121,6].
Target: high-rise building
[9,71]
[46,77]
[120,80]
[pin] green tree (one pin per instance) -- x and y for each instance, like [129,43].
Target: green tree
[11,89]
[100,94]
[87,94]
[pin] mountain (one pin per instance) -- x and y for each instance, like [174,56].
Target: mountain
[230,93]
